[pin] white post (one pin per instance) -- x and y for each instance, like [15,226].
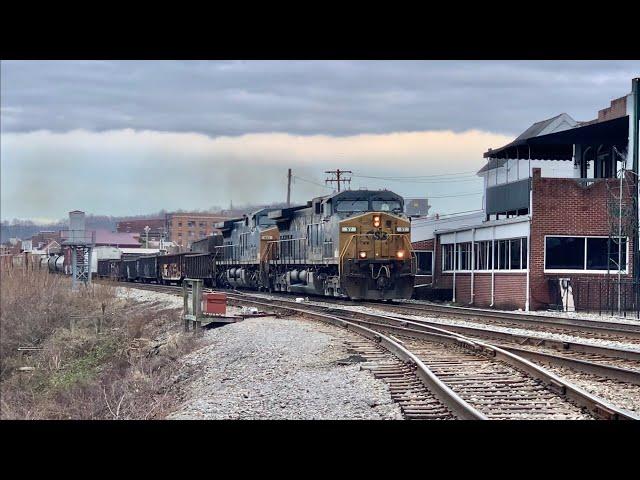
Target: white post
[493,263]
[473,265]
[455,263]
[620,241]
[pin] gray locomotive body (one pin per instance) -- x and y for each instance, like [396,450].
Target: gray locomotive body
[321,246]
[239,260]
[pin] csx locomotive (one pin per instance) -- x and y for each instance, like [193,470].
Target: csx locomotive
[354,244]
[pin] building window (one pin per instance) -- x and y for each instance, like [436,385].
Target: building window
[510,254]
[447,257]
[464,256]
[584,253]
[191,224]
[425,262]
[483,255]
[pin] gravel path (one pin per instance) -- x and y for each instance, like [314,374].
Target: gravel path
[268,368]
[620,394]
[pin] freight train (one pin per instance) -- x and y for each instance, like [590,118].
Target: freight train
[352,244]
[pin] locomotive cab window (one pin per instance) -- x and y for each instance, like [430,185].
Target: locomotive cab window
[352,206]
[386,206]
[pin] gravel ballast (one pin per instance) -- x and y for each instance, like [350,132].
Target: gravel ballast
[270,368]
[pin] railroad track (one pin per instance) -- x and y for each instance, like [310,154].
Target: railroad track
[459,377]
[615,363]
[597,329]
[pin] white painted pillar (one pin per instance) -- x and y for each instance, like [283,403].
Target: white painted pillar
[455,263]
[493,263]
[473,264]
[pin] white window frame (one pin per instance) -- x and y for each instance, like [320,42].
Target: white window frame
[573,270]
[523,253]
[433,262]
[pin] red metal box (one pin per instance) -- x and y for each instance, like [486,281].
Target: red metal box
[214,303]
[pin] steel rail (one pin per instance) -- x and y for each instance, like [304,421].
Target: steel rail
[594,326]
[596,406]
[563,345]
[443,392]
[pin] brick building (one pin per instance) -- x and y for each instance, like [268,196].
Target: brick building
[156,225]
[185,228]
[554,202]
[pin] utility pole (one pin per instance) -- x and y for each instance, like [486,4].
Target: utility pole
[146,230]
[289,188]
[338,177]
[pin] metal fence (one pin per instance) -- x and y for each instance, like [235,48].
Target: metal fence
[602,296]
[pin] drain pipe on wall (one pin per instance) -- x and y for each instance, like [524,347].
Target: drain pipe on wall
[473,264]
[455,263]
[493,263]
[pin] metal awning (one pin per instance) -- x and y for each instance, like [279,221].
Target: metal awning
[610,132]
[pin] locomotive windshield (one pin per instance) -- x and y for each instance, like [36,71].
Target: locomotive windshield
[352,206]
[386,206]
[264,221]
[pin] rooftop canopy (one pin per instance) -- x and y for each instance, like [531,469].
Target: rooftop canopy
[559,145]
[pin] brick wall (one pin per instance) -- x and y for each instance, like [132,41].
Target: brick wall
[423,244]
[189,227]
[617,108]
[510,289]
[563,206]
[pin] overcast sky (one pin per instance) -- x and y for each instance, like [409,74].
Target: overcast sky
[133,137]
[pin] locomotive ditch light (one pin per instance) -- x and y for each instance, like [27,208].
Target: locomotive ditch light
[376,220]
[362,254]
[400,254]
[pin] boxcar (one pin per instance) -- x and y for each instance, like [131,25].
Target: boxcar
[148,268]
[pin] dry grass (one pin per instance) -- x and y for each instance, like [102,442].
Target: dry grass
[124,372]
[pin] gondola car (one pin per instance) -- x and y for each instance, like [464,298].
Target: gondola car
[130,269]
[147,268]
[171,268]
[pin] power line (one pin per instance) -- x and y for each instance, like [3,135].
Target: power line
[312,182]
[420,176]
[337,176]
[450,196]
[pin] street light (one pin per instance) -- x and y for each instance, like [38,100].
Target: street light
[146,231]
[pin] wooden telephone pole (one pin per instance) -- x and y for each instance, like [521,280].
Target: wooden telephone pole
[289,188]
[337,177]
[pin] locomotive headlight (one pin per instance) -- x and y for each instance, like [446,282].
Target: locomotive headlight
[400,254]
[363,254]
[376,220]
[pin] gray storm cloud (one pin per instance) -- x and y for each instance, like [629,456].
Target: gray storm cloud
[307,97]
[129,137]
